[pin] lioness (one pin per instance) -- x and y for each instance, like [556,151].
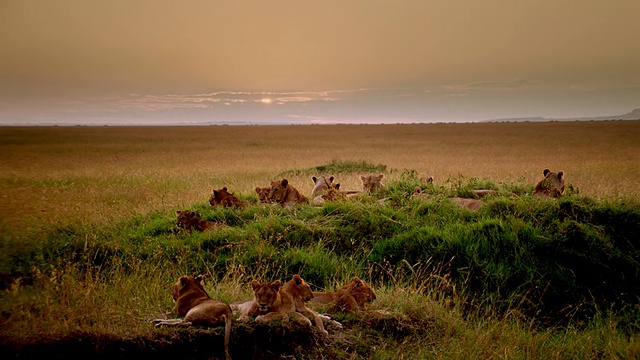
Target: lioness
[372,183]
[225,198]
[465,203]
[198,309]
[351,298]
[270,303]
[285,194]
[552,186]
[301,293]
[321,185]
[263,194]
[188,220]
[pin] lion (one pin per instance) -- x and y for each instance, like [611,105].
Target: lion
[351,298]
[372,183]
[301,293]
[321,185]
[188,220]
[263,194]
[285,194]
[469,204]
[331,194]
[552,186]
[225,198]
[269,303]
[198,308]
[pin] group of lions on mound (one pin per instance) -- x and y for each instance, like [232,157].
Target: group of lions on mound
[325,190]
[271,301]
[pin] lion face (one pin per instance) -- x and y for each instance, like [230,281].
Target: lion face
[372,183]
[278,191]
[361,291]
[299,289]
[263,194]
[186,219]
[217,196]
[266,294]
[552,185]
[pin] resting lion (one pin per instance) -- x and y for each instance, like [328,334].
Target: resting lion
[263,194]
[321,185]
[198,309]
[301,293]
[552,186]
[331,194]
[188,220]
[372,183]
[269,303]
[285,194]
[351,298]
[225,198]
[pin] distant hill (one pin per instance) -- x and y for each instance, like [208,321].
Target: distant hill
[633,115]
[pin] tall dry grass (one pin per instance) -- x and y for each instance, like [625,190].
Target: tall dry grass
[97,174]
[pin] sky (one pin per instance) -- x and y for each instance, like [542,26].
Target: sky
[315,62]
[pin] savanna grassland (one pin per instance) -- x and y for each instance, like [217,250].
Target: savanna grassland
[89,249]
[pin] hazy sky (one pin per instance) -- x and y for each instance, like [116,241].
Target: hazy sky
[258,61]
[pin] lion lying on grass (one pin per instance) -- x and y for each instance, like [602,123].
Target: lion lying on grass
[198,309]
[225,198]
[285,194]
[351,298]
[272,301]
[188,221]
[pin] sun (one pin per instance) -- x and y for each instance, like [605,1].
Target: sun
[265,101]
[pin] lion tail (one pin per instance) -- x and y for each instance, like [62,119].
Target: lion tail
[227,332]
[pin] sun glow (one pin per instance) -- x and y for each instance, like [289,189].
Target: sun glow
[265,101]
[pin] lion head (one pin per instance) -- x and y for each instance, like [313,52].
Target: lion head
[266,295]
[188,220]
[298,288]
[360,291]
[372,183]
[551,186]
[278,191]
[321,185]
[263,194]
[188,284]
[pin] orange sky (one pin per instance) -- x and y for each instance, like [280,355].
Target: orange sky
[319,61]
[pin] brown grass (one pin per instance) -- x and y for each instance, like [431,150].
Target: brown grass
[96,174]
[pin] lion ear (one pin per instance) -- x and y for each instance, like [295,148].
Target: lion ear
[546,171]
[199,278]
[284,182]
[183,281]
[337,186]
[276,285]
[178,212]
[314,179]
[330,178]
[362,178]
[380,176]
[215,192]
[297,279]
[225,188]
[257,189]
[255,284]
[560,175]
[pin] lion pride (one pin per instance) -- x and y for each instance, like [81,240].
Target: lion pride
[351,298]
[198,308]
[552,186]
[283,193]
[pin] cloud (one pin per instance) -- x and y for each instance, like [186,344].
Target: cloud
[517,84]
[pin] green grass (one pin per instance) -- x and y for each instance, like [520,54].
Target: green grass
[519,278]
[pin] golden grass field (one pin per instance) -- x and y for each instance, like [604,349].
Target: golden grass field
[96,174]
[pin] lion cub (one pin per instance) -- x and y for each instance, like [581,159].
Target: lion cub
[198,309]
[351,298]
[225,198]
[372,183]
[188,220]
